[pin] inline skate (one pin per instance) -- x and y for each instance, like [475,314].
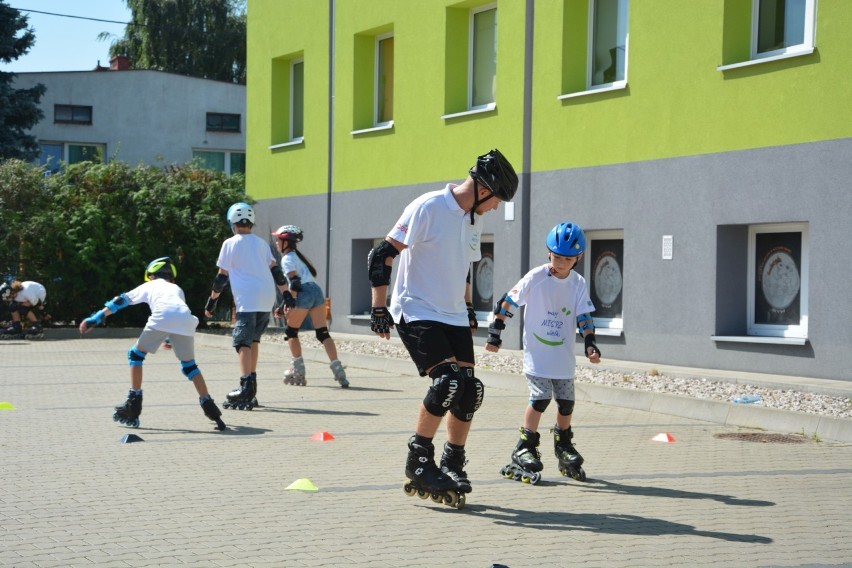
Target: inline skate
[243,397]
[128,413]
[211,411]
[569,458]
[452,465]
[526,459]
[35,331]
[426,480]
[14,331]
[295,375]
[339,373]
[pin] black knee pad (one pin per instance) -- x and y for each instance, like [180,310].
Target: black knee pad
[448,382]
[471,400]
[566,407]
[322,334]
[291,332]
[540,405]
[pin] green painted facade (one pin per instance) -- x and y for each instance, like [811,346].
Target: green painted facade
[676,102]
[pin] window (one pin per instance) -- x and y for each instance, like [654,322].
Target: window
[54,153]
[781,26]
[72,114]
[297,99]
[50,156]
[778,280]
[482,62]
[221,161]
[594,50]
[384,81]
[604,270]
[85,153]
[222,122]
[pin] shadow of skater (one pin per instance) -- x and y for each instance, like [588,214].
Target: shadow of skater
[599,485]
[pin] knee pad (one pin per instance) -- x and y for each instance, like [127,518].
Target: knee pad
[566,407]
[446,390]
[189,368]
[471,399]
[540,405]
[322,334]
[291,332]
[135,357]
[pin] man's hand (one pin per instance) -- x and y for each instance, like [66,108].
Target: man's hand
[381,322]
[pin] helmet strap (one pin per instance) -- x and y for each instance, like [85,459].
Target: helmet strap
[476,201]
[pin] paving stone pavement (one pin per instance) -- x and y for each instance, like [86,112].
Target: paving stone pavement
[74,495]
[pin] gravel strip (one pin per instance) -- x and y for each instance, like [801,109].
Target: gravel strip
[796,401]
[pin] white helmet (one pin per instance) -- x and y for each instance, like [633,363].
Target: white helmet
[240,213]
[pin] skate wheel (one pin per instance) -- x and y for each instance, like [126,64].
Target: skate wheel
[135,423]
[436,498]
[451,499]
[409,489]
[535,478]
[422,494]
[525,478]
[579,475]
[461,501]
[115,418]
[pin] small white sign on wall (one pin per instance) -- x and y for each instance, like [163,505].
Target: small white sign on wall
[668,244]
[508,211]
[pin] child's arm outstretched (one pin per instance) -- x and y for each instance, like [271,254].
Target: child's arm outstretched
[501,312]
[118,303]
[586,325]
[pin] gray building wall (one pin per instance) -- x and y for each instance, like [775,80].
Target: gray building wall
[672,308]
[143,116]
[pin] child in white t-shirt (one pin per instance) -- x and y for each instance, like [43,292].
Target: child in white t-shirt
[557,302]
[170,319]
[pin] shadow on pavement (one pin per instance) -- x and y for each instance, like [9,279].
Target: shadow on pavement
[599,485]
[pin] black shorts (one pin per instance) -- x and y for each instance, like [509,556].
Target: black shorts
[430,342]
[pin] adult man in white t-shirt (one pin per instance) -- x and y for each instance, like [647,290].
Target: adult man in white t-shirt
[437,238]
[246,262]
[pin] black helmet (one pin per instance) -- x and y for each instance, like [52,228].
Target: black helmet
[495,171]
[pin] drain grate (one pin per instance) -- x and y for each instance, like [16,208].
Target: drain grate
[762,438]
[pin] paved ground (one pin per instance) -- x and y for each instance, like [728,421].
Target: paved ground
[74,495]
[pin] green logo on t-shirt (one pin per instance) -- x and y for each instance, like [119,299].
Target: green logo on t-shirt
[550,343]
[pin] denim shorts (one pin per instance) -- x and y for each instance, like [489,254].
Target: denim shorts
[249,328]
[310,296]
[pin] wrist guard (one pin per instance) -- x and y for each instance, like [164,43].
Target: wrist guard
[494,330]
[288,301]
[590,342]
[380,320]
[95,319]
[471,316]
[210,306]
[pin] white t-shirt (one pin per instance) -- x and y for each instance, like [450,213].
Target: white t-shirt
[430,281]
[247,259]
[291,262]
[32,292]
[169,312]
[550,320]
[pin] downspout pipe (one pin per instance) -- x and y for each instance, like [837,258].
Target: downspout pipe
[330,174]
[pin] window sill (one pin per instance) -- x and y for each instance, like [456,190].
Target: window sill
[487,108]
[607,331]
[617,86]
[760,339]
[385,126]
[294,142]
[749,63]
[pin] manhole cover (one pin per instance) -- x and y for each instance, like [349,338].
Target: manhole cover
[763,438]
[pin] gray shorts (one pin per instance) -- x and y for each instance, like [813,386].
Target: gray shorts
[545,389]
[182,345]
[249,328]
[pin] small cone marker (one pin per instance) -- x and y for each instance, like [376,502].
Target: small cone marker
[303,484]
[129,438]
[6,406]
[663,437]
[322,437]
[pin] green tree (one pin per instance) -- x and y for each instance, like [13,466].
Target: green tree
[199,38]
[19,108]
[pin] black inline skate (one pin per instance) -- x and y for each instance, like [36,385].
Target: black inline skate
[35,331]
[452,465]
[128,413]
[14,331]
[243,397]
[526,459]
[570,459]
[211,411]
[426,480]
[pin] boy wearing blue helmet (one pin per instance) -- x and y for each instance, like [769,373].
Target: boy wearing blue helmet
[170,319]
[246,263]
[557,302]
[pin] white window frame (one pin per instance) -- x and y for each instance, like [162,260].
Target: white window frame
[768,330]
[293,63]
[603,326]
[622,31]
[470,63]
[807,45]
[377,123]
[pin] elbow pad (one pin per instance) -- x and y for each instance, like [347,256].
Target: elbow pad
[219,282]
[296,284]
[585,323]
[118,303]
[380,272]
[278,275]
[498,307]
